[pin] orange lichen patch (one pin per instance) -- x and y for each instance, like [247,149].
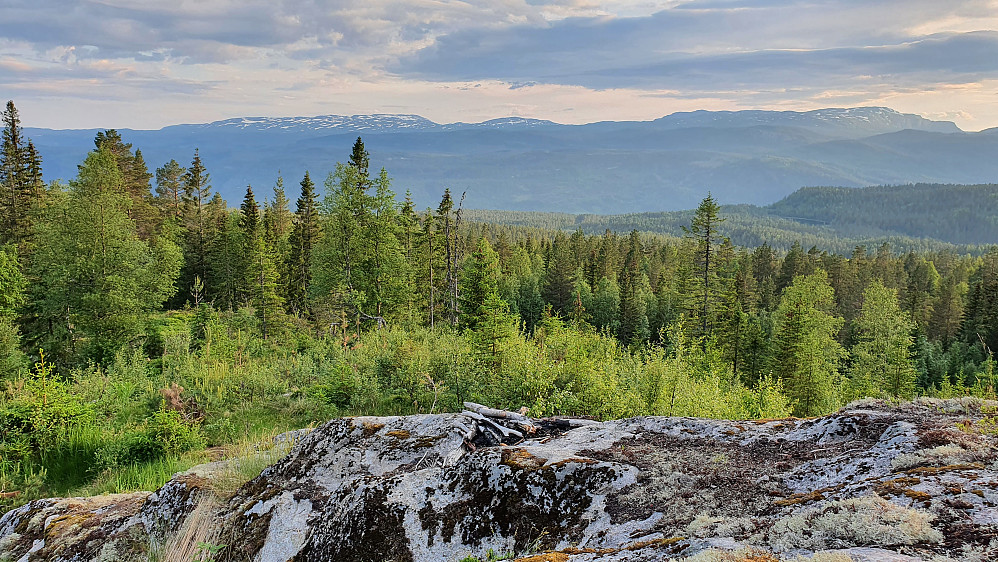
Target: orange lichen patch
[900,487]
[573,460]
[398,434]
[545,557]
[760,557]
[521,459]
[932,470]
[798,499]
[562,555]
[424,442]
[655,543]
[368,429]
[979,493]
[67,523]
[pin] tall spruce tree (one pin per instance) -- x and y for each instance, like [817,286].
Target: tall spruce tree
[361,161]
[262,286]
[480,276]
[703,229]
[227,247]
[15,201]
[135,181]
[196,223]
[305,234]
[447,232]
[360,270]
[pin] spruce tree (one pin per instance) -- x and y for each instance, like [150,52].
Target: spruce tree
[263,287]
[448,243]
[249,217]
[196,223]
[135,181]
[12,289]
[304,236]
[14,199]
[806,357]
[360,270]
[226,257]
[703,229]
[361,161]
[559,277]
[480,276]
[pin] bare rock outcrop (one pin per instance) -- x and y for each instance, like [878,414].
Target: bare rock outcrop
[873,482]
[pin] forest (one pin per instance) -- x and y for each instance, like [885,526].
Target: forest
[148,325]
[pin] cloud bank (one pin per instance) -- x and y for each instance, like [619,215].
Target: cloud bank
[571,60]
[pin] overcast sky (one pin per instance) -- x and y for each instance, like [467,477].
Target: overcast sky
[150,63]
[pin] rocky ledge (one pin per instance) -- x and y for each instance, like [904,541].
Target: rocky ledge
[872,482]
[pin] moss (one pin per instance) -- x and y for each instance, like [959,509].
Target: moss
[398,434]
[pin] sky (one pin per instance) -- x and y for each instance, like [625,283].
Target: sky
[144,64]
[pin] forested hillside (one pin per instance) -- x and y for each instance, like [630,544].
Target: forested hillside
[147,324]
[919,217]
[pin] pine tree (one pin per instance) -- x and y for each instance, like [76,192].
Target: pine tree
[170,189]
[305,233]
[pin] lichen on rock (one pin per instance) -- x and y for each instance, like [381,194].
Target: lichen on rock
[875,481]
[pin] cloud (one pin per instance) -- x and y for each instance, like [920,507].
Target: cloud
[368,55]
[703,45]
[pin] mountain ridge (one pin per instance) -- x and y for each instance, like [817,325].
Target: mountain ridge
[517,163]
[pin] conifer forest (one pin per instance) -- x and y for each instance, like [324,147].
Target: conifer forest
[148,325]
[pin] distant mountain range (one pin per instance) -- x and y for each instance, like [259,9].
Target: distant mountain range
[754,157]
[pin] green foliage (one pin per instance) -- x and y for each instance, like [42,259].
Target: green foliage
[881,358]
[96,279]
[368,307]
[164,434]
[37,411]
[807,355]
